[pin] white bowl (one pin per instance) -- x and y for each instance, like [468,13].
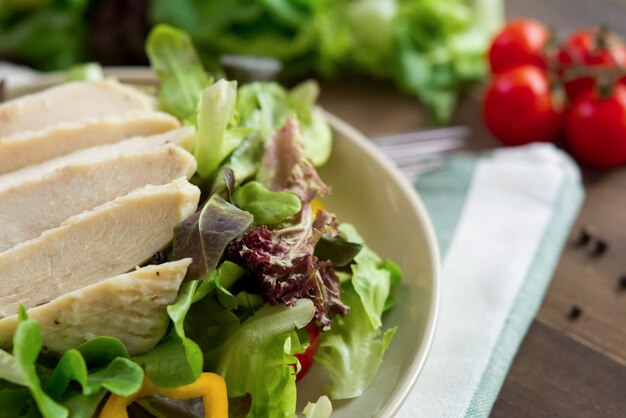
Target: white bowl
[371,193]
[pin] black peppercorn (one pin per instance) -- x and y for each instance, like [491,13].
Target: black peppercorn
[622,282]
[600,247]
[575,312]
[584,238]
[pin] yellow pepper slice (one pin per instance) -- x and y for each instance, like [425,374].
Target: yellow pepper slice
[209,386]
[316,205]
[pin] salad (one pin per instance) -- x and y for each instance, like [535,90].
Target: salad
[272,282]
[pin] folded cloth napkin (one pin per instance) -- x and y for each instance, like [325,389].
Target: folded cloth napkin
[502,220]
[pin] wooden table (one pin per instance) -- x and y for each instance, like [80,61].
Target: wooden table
[564,368]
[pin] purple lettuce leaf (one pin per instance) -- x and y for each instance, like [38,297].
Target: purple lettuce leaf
[282,266]
[285,168]
[205,235]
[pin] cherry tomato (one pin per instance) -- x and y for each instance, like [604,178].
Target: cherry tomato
[518,107]
[593,48]
[306,358]
[595,128]
[521,42]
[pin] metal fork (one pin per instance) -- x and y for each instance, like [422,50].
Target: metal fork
[422,151]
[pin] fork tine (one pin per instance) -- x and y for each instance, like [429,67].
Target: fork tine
[417,169]
[421,136]
[411,151]
[418,152]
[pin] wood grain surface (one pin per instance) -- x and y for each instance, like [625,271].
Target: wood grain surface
[564,368]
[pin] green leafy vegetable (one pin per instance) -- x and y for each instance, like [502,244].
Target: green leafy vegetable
[395,277]
[174,59]
[352,351]
[48,34]
[225,277]
[81,406]
[244,162]
[100,351]
[121,376]
[217,108]
[371,281]
[268,208]
[205,235]
[267,106]
[17,403]
[320,409]
[266,343]
[337,249]
[433,49]
[91,71]
[177,360]
[111,369]
[209,324]
[20,368]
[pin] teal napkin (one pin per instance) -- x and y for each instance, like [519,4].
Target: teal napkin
[502,220]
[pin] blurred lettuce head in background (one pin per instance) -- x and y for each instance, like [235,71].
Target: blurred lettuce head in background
[433,49]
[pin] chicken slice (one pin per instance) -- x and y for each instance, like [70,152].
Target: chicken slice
[89,155]
[70,102]
[33,147]
[41,202]
[87,248]
[131,307]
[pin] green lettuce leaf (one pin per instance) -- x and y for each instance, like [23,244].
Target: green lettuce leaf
[267,207]
[100,363]
[91,71]
[81,406]
[20,368]
[320,409]
[175,60]
[210,324]
[104,367]
[258,358]
[214,141]
[48,35]
[267,106]
[176,360]
[225,276]
[244,162]
[371,282]
[17,403]
[352,351]
[337,249]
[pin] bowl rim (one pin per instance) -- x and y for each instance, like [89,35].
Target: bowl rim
[419,353]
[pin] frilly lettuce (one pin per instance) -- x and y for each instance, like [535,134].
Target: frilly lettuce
[353,349]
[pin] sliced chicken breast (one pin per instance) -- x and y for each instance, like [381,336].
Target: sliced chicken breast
[70,102]
[88,248]
[33,147]
[131,307]
[90,155]
[38,203]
